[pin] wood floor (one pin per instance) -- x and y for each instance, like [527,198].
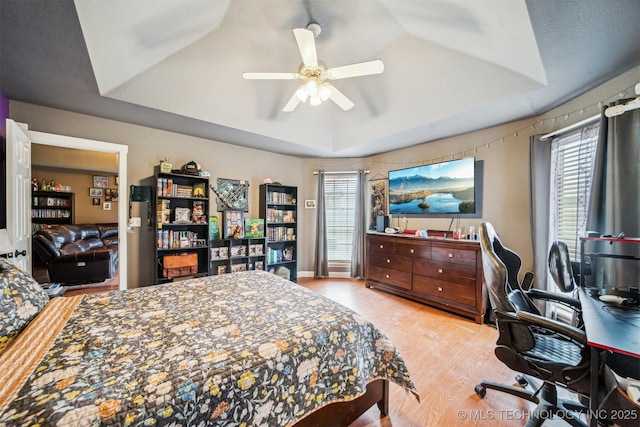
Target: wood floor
[447,355]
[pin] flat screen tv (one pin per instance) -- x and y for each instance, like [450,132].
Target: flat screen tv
[439,188]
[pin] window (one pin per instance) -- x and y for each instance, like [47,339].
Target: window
[572,158]
[340,200]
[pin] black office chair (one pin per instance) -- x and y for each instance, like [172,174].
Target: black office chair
[553,352]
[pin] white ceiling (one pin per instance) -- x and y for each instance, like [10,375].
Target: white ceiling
[450,66]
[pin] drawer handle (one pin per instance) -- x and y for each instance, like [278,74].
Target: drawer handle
[412,251]
[440,270]
[439,289]
[381,246]
[388,261]
[387,276]
[450,255]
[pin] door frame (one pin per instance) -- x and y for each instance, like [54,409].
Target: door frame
[107,147]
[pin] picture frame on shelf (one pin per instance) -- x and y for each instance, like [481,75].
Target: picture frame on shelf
[96,192]
[100,181]
[254,227]
[181,215]
[233,223]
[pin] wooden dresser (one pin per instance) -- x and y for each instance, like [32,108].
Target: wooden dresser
[444,273]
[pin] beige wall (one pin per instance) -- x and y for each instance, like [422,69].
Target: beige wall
[506,166]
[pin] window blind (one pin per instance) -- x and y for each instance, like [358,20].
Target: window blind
[572,160]
[572,165]
[340,199]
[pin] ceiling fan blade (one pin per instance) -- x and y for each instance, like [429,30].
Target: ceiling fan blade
[292,104]
[355,70]
[307,46]
[339,98]
[270,76]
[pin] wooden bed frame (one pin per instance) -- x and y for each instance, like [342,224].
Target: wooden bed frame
[344,413]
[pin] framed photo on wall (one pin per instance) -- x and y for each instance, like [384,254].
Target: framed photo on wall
[233,223]
[100,181]
[96,192]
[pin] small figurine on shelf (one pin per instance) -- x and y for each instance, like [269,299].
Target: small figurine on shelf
[34,184]
[43,187]
[237,232]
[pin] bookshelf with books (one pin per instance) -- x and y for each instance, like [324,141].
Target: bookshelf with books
[233,255]
[182,224]
[52,207]
[279,209]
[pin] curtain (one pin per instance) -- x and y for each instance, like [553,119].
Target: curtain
[540,176]
[321,263]
[615,198]
[359,224]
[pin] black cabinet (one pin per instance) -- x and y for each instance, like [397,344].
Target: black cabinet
[233,255]
[279,209]
[182,226]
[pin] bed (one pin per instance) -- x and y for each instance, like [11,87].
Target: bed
[247,348]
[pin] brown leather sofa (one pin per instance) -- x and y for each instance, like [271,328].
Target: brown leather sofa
[81,253]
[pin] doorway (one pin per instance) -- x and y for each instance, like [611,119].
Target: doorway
[88,145]
[64,193]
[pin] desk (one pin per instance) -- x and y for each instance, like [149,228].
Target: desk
[606,331]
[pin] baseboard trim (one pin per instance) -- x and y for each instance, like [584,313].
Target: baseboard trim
[337,274]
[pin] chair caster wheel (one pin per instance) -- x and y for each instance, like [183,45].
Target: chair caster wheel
[480,391]
[522,381]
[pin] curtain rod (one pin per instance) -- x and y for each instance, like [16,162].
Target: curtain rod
[570,127]
[339,172]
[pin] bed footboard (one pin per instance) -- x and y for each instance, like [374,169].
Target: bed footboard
[344,413]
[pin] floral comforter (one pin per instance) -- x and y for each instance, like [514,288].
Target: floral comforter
[237,349]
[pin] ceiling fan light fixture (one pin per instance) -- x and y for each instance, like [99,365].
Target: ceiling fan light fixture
[324,92]
[302,93]
[311,87]
[315,75]
[315,100]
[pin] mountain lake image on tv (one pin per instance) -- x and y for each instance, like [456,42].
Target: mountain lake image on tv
[438,188]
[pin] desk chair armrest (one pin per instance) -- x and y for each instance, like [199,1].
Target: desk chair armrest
[568,331]
[554,297]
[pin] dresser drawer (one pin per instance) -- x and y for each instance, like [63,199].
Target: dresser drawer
[413,249]
[379,245]
[457,273]
[393,277]
[449,292]
[395,262]
[458,256]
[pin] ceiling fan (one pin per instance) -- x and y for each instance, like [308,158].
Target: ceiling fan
[315,76]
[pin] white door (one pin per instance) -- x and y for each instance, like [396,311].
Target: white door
[19,194]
